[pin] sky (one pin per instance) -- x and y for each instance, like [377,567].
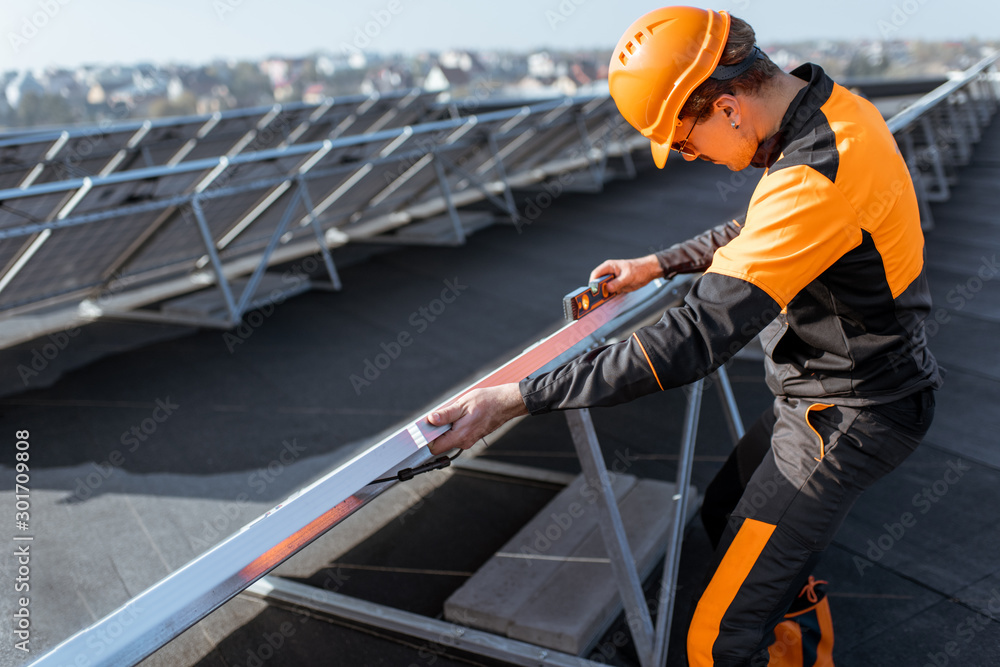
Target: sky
[40,33]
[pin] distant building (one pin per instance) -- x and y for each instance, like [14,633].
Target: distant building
[541,65]
[457,72]
[22,84]
[314,94]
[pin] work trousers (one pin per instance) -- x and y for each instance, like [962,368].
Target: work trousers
[777,503]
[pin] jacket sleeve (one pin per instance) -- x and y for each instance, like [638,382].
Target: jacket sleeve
[720,315]
[696,254]
[797,226]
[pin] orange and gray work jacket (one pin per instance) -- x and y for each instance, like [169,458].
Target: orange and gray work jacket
[828,267]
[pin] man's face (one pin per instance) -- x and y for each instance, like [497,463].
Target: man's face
[715,140]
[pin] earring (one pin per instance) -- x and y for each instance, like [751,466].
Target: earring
[734,125]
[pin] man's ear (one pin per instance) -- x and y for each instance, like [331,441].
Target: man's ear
[730,106]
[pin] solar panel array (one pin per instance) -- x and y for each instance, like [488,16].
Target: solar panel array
[937,132]
[41,157]
[263,198]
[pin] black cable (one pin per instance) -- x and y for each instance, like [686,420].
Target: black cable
[407,474]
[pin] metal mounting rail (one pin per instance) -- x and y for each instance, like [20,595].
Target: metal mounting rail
[936,133]
[154,617]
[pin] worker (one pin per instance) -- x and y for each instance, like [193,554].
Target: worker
[826,267]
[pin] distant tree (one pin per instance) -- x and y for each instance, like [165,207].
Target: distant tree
[249,85]
[184,105]
[867,64]
[44,109]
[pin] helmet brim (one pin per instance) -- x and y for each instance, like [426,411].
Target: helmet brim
[660,152]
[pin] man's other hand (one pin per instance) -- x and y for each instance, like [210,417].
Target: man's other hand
[629,274]
[476,414]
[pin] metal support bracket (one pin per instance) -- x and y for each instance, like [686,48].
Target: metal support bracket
[502,171]
[446,191]
[613,531]
[651,644]
[506,204]
[213,257]
[596,167]
[331,268]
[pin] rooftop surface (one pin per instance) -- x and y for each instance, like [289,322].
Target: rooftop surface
[144,459]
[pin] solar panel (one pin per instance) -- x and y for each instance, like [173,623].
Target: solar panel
[376,113]
[324,118]
[105,196]
[419,182]
[255,223]
[10,249]
[410,181]
[160,144]
[74,258]
[85,154]
[283,123]
[42,206]
[19,156]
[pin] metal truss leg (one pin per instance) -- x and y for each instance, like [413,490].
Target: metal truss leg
[962,143]
[506,205]
[258,272]
[213,256]
[969,106]
[651,644]
[446,191]
[502,171]
[909,153]
[982,102]
[937,163]
[729,407]
[613,531]
[671,562]
[331,268]
[992,75]
[596,169]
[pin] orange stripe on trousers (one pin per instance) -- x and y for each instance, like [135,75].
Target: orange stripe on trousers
[733,570]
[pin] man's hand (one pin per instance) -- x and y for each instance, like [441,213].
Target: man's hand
[478,413]
[629,274]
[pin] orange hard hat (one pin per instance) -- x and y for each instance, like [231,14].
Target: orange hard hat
[658,63]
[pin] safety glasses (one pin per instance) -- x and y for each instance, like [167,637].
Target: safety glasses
[682,147]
